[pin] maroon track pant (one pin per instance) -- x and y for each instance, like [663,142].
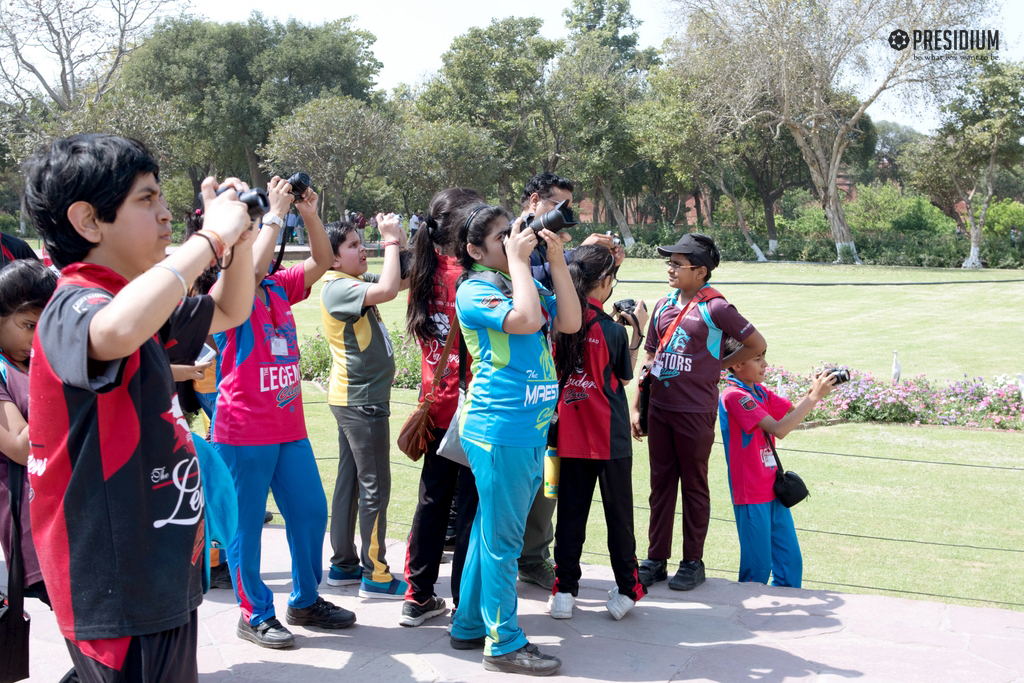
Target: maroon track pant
[680,446]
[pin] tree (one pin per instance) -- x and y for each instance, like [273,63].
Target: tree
[982,131]
[431,156]
[929,166]
[86,41]
[799,57]
[774,165]
[690,135]
[234,80]
[598,76]
[492,79]
[339,141]
[894,140]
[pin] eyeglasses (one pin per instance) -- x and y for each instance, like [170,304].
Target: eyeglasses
[672,265]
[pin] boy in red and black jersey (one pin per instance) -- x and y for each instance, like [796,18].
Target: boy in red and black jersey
[117,510]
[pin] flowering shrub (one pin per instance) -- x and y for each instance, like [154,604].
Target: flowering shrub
[968,402]
[315,359]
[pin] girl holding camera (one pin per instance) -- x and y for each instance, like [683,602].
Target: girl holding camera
[505,318]
[592,426]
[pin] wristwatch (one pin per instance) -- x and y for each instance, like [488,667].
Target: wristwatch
[273,219]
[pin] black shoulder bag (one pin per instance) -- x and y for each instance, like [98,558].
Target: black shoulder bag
[789,488]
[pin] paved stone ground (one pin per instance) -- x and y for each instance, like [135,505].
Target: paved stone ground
[722,631]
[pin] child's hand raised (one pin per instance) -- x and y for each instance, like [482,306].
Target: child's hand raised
[224,214]
[520,244]
[390,227]
[279,192]
[554,245]
[822,384]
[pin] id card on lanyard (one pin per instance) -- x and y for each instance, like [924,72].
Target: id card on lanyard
[278,343]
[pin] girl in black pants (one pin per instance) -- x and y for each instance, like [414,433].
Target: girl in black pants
[430,315]
[594,365]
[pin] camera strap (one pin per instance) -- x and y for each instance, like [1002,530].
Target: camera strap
[286,233]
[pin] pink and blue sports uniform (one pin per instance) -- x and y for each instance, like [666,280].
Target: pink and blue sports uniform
[260,431]
[768,543]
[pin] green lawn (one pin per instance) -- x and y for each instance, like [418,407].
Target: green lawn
[941,331]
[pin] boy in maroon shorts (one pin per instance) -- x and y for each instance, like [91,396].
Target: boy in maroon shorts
[684,357]
[117,507]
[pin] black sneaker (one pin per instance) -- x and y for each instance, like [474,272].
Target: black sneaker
[269,633]
[689,576]
[467,643]
[527,660]
[651,571]
[414,614]
[220,576]
[541,574]
[322,614]
[268,517]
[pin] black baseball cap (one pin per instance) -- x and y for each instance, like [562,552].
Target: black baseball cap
[698,251]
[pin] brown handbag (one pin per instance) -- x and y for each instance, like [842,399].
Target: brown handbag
[415,434]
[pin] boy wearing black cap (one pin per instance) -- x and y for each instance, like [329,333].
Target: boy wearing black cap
[685,359]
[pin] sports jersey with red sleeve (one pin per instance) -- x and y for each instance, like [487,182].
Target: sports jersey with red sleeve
[442,312]
[747,453]
[260,399]
[691,360]
[117,506]
[593,416]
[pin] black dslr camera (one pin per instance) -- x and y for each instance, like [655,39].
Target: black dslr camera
[300,182]
[626,307]
[255,200]
[554,220]
[841,374]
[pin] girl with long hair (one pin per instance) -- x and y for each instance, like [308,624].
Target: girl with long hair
[594,366]
[431,314]
[505,318]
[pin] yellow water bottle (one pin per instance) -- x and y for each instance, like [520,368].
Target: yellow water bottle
[552,465]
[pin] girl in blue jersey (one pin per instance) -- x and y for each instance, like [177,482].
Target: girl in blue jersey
[505,318]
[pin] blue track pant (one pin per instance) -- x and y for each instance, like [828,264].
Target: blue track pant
[506,479]
[290,471]
[768,545]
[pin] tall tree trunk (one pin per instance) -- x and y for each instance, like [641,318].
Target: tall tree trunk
[696,207]
[620,220]
[769,221]
[195,175]
[257,178]
[824,174]
[739,218]
[679,206]
[22,212]
[504,192]
[978,224]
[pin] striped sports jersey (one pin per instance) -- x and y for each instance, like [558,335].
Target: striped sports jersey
[362,359]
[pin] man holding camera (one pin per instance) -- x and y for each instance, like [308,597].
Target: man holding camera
[542,195]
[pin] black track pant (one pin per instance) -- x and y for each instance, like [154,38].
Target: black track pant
[575,493]
[438,482]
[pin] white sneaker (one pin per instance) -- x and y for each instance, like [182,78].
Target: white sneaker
[618,604]
[560,605]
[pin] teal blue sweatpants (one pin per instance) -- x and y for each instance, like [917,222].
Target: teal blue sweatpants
[507,479]
[768,545]
[290,471]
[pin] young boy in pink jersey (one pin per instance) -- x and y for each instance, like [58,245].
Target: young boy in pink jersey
[749,413]
[260,431]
